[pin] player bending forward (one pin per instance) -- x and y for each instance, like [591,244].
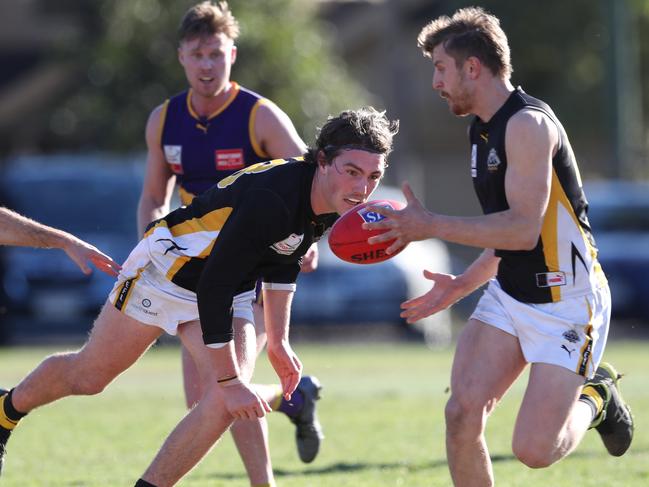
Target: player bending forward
[201,262]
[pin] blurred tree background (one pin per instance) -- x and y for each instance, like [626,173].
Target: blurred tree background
[82,75]
[121,61]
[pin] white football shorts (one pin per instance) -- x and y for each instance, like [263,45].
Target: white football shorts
[145,294]
[570,333]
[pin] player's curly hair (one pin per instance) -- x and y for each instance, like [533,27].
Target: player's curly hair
[206,19]
[363,129]
[472,31]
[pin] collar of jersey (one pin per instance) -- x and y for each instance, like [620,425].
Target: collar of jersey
[233,95]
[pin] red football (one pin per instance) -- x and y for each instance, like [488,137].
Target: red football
[348,240]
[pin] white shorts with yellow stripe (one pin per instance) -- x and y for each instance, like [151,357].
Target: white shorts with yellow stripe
[570,333]
[146,295]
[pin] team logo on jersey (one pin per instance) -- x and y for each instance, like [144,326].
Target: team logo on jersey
[550,279]
[288,245]
[173,155]
[228,159]
[493,161]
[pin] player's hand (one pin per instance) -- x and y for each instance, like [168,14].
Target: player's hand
[444,293]
[81,252]
[243,402]
[287,366]
[310,259]
[402,226]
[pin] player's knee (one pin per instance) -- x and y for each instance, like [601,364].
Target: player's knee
[463,416]
[534,454]
[88,380]
[90,383]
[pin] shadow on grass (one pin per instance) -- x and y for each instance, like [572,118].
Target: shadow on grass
[340,467]
[343,467]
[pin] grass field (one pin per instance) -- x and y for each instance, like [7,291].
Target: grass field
[382,409]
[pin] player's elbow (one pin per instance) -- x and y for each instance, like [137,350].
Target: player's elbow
[525,236]
[528,242]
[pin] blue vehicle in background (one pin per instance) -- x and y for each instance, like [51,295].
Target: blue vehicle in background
[619,216]
[94,198]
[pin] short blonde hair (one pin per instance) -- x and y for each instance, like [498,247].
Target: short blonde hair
[206,19]
[471,31]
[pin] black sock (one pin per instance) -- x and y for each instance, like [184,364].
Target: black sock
[143,483]
[9,409]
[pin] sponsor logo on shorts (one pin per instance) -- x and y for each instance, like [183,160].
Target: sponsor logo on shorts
[228,159]
[550,279]
[373,216]
[563,347]
[571,335]
[144,306]
[585,357]
[288,245]
[123,293]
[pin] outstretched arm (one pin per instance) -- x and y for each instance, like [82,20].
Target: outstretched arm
[448,289]
[530,141]
[18,230]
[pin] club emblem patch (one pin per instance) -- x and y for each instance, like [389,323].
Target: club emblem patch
[571,335]
[288,245]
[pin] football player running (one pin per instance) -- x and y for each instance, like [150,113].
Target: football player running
[547,303]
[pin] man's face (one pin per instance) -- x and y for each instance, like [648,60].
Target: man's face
[351,178]
[207,62]
[451,82]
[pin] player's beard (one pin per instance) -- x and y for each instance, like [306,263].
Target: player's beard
[460,102]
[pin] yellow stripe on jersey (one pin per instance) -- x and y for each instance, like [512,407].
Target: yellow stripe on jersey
[252,121]
[161,223]
[549,233]
[181,261]
[209,222]
[185,196]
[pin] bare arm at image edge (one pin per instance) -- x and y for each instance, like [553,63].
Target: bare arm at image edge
[21,231]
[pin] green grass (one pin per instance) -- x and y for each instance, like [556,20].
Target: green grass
[382,410]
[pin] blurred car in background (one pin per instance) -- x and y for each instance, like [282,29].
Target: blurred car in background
[352,294]
[95,198]
[92,197]
[619,216]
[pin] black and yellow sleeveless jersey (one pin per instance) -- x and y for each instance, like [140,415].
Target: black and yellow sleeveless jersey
[256,223]
[564,262]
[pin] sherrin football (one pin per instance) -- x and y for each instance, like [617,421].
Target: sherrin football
[348,239]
